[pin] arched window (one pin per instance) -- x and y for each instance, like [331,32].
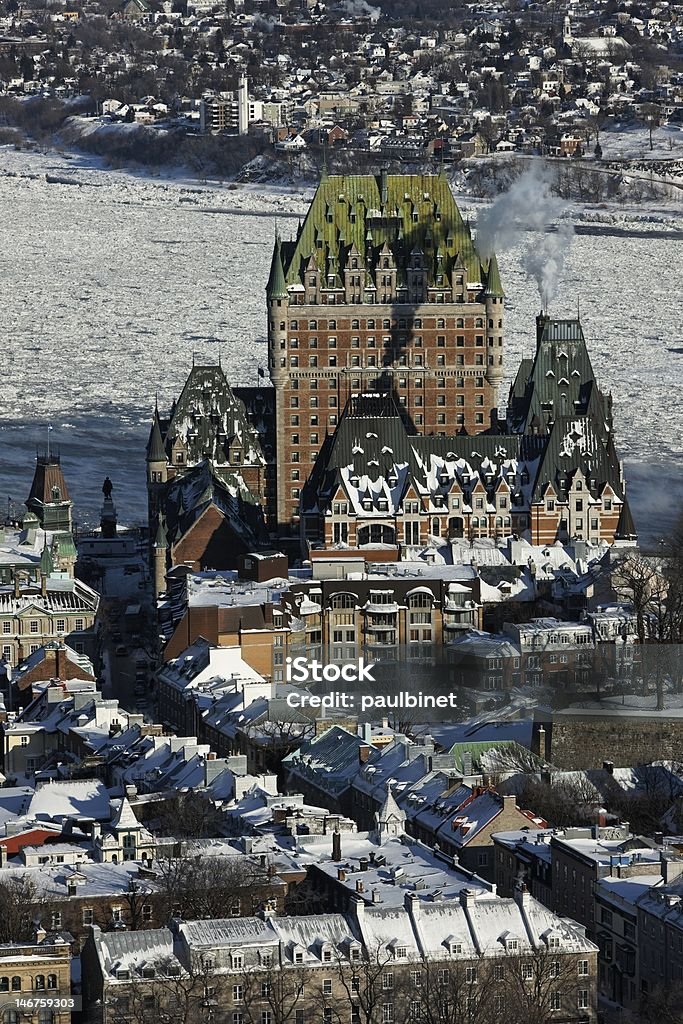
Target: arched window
[479,322]
[343,601]
[441,323]
[16,983]
[420,601]
[45,1016]
[10,1017]
[460,322]
[39,981]
[52,981]
[4,984]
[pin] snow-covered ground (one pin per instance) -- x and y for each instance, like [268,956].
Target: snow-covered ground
[109,287]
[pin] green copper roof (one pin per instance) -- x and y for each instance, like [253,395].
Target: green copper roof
[493,285]
[418,213]
[276,287]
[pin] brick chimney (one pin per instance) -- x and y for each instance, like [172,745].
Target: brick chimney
[364,753]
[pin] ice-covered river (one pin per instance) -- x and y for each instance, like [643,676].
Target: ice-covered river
[109,287]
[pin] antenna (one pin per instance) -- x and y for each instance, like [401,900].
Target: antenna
[49,428]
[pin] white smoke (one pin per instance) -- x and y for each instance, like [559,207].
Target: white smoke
[528,213]
[360,8]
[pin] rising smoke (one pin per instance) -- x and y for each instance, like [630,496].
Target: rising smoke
[530,215]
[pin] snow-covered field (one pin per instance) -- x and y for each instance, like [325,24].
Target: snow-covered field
[110,286]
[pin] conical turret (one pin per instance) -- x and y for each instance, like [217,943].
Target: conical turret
[493,285]
[155,445]
[277,286]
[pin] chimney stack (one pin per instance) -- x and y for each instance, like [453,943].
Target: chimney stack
[541,320]
[336,845]
[363,754]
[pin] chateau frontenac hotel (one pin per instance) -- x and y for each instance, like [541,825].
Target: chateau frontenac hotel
[382,428]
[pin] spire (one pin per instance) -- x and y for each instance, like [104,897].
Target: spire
[493,285]
[155,445]
[323,172]
[626,528]
[390,819]
[276,287]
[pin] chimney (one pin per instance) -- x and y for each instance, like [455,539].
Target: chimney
[541,320]
[376,896]
[3,856]
[358,904]
[336,845]
[411,902]
[522,895]
[359,885]
[467,897]
[341,874]
[602,816]
[671,867]
[608,766]
[364,753]
[659,838]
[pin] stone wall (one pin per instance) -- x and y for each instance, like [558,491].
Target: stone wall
[587,740]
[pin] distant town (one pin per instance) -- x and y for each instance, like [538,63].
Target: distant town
[224,88]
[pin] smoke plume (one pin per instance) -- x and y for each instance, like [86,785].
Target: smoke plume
[529,214]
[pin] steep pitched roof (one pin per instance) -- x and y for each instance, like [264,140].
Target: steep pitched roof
[405,211]
[155,445]
[208,420]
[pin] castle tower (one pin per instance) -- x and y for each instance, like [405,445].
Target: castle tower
[157,468]
[382,290]
[160,550]
[49,498]
[493,299]
[49,501]
[278,304]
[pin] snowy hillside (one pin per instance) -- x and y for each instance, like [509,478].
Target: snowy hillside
[110,285]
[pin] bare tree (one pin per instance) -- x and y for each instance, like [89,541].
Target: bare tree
[19,906]
[204,887]
[538,984]
[166,991]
